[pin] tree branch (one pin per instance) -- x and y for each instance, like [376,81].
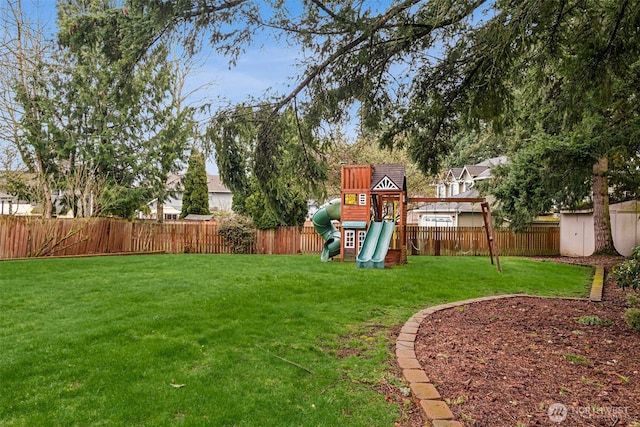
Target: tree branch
[379,24]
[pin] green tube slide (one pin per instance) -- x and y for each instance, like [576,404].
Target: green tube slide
[322,224]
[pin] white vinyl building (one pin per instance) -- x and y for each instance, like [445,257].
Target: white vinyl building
[220,197]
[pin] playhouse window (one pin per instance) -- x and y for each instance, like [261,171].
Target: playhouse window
[350,199]
[349,239]
[361,234]
[362,199]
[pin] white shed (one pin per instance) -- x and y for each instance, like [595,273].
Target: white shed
[576,229]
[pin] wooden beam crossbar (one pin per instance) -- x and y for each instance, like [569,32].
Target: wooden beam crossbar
[446,200]
[486,216]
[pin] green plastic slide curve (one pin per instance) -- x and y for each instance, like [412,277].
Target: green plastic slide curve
[322,224]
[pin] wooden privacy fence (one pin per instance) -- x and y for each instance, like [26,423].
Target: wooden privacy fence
[23,237]
[535,241]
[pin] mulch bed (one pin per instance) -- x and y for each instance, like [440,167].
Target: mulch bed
[513,362]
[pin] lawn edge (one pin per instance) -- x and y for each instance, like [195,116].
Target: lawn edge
[434,408]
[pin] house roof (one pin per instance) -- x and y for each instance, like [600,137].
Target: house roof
[475,170]
[455,172]
[393,171]
[195,217]
[486,174]
[478,171]
[174,182]
[494,161]
[215,185]
[5,196]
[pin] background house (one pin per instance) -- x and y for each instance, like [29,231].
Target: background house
[220,197]
[448,214]
[457,183]
[461,180]
[460,183]
[11,205]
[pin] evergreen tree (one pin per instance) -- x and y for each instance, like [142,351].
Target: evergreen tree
[87,119]
[268,169]
[195,197]
[423,71]
[124,131]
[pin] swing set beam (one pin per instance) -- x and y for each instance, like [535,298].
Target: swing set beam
[446,200]
[486,216]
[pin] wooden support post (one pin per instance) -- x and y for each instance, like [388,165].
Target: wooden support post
[488,225]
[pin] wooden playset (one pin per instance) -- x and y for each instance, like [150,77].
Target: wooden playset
[373,215]
[372,211]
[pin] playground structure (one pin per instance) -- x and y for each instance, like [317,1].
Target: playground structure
[372,209]
[373,212]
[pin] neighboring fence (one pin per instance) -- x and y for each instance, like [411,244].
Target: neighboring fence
[535,241]
[22,237]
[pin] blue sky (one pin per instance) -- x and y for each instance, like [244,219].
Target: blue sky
[262,66]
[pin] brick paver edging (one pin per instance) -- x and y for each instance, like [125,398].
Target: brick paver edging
[433,406]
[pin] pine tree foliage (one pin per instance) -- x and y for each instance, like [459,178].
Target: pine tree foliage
[195,196]
[548,75]
[262,160]
[100,127]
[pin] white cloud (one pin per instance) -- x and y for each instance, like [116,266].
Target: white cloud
[257,70]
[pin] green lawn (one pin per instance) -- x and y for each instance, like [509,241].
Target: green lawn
[224,340]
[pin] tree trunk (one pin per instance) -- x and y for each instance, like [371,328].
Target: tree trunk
[44,189]
[47,204]
[159,211]
[601,219]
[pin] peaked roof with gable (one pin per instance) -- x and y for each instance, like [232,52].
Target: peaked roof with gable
[455,172]
[393,171]
[475,170]
[478,171]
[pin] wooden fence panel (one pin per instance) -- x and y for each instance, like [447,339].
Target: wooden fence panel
[451,241]
[310,241]
[278,241]
[28,237]
[264,242]
[287,240]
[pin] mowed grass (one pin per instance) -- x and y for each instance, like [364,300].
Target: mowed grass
[224,340]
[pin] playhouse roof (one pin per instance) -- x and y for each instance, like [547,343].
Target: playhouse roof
[394,174]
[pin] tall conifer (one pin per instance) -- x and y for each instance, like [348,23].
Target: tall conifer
[195,198]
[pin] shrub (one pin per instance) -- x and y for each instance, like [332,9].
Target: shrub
[632,317]
[577,359]
[627,274]
[593,320]
[633,301]
[238,233]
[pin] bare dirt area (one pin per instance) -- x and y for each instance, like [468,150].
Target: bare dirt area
[535,361]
